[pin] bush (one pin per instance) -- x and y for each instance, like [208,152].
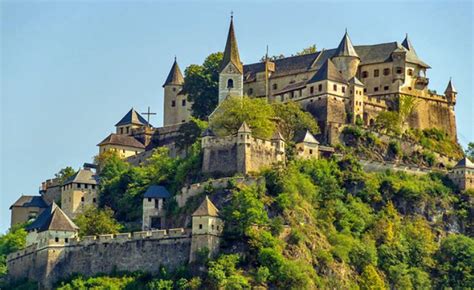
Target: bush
[394,149]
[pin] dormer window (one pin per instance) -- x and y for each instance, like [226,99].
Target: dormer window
[230,83]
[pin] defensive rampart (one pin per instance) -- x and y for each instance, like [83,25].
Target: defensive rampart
[139,251]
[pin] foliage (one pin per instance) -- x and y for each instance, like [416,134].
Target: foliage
[64,174]
[12,241]
[292,119]
[96,221]
[308,50]
[436,140]
[394,149]
[201,84]
[224,273]
[233,111]
[388,121]
[188,133]
[455,259]
[470,151]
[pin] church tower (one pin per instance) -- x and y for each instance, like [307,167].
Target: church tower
[346,58]
[176,107]
[231,80]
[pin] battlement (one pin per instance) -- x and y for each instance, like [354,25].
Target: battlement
[126,237]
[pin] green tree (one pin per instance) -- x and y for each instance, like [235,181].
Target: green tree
[470,151]
[64,174]
[201,84]
[371,280]
[233,111]
[224,273]
[12,241]
[96,221]
[290,119]
[188,133]
[388,121]
[308,50]
[455,259]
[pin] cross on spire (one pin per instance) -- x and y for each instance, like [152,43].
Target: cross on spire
[148,114]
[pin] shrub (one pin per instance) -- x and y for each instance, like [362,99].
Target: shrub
[394,149]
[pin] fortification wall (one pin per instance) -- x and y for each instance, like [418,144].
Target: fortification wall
[220,154]
[434,114]
[145,251]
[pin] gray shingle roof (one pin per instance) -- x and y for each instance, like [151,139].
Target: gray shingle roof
[175,77]
[84,176]
[464,163]
[368,54]
[208,133]
[30,201]
[132,117]
[356,81]
[122,140]
[156,191]
[328,72]
[305,137]
[345,47]
[52,218]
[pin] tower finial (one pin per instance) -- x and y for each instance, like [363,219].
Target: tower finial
[175,58]
[346,30]
[231,14]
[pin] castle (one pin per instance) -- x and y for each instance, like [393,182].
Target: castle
[345,85]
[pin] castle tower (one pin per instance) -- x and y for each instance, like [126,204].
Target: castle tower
[463,174]
[207,228]
[79,192]
[244,140]
[306,146]
[357,99]
[450,93]
[346,58]
[399,65]
[132,120]
[176,106]
[231,80]
[279,142]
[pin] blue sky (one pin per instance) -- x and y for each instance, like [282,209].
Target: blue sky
[70,70]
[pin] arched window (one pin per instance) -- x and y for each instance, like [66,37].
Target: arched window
[230,83]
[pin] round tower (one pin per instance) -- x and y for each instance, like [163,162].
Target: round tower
[346,58]
[175,104]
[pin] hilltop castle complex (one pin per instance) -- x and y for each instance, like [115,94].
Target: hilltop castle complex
[345,85]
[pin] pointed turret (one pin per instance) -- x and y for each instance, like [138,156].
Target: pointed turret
[450,93]
[407,45]
[175,77]
[450,88]
[244,128]
[345,47]
[346,58]
[277,136]
[207,208]
[231,52]
[132,118]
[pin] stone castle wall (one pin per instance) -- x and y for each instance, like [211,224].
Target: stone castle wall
[239,154]
[145,251]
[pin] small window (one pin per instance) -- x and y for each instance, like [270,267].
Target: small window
[173,103]
[200,226]
[183,102]
[410,72]
[274,86]
[250,91]
[93,186]
[376,89]
[56,240]
[311,151]
[334,87]
[156,203]
[128,130]
[399,70]
[343,89]
[376,73]
[183,121]
[121,130]
[82,199]
[66,240]
[85,186]
[230,83]
[311,90]
[320,87]
[365,74]
[385,88]
[174,89]
[365,90]
[78,185]
[149,199]
[386,71]
[123,150]
[212,226]
[94,200]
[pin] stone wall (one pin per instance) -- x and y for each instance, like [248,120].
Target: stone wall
[144,251]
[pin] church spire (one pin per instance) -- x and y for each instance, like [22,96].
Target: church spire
[450,88]
[231,52]
[345,47]
[175,77]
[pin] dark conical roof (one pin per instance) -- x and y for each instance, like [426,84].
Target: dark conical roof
[231,52]
[208,133]
[175,77]
[345,47]
[328,71]
[132,117]
[464,163]
[450,88]
[52,218]
[407,44]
